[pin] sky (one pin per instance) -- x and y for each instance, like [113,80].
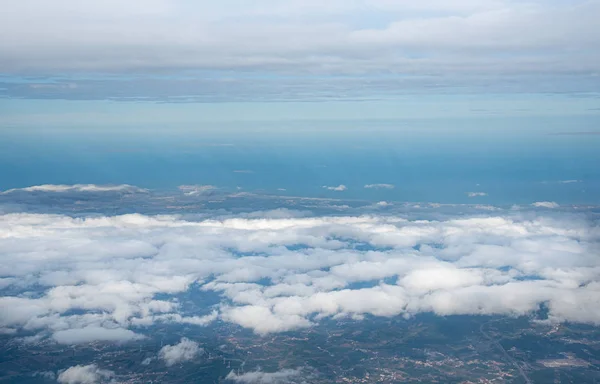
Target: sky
[179,61]
[453,97]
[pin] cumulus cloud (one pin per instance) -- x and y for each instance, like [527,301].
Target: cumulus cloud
[84,374]
[476,194]
[104,277]
[94,333]
[260,377]
[339,188]
[185,350]
[379,186]
[545,204]
[262,319]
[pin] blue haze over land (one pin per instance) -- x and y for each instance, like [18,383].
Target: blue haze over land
[512,160]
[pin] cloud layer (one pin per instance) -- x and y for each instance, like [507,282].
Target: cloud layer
[300,36]
[78,188]
[104,278]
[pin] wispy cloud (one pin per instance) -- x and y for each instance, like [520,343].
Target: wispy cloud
[476,194]
[588,133]
[339,188]
[194,190]
[545,204]
[260,377]
[379,186]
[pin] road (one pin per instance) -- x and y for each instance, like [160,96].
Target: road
[501,348]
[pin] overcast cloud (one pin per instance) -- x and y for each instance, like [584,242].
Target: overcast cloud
[337,36]
[210,51]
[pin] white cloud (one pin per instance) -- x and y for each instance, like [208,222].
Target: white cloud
[94,333]
[339,188]
[383,204]
[379,186]
[569,181]
[91,188]
[185,350]
[111,269]
[262,320]
[201,320]
[427,280]
[260,377]
[545,204]
[84,374]
[476,194]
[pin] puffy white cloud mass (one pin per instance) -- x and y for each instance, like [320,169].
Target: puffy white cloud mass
[260,377]
[379,186]
[185,350]
[84,374]
[104,278]
[339,188]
